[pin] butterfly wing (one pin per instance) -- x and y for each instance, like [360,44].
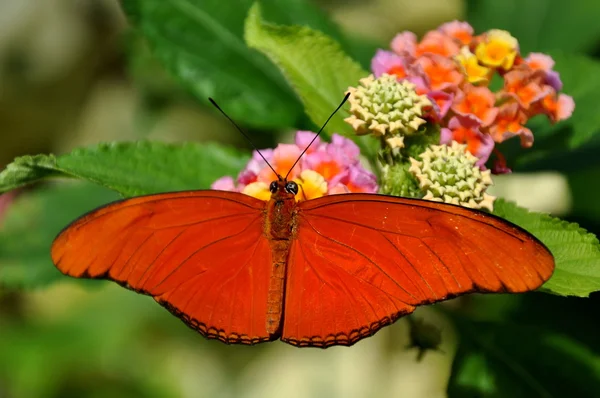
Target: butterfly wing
[361,261]
[201,254]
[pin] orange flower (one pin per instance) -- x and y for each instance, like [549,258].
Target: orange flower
[438,43]
[526,86]
[476,101]
[442,101]
[558,107]
[442,72]
[497,49]
[465,130]
[462,32]
[509,122]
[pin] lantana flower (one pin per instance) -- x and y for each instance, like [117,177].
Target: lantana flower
[453,67]
[325,169]
[430,104]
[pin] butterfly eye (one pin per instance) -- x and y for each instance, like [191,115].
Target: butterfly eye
[273,187]
[291,187]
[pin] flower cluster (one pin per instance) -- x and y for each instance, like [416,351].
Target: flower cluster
[325,169]
[454,68]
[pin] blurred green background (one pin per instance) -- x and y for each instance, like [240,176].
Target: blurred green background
[72,73]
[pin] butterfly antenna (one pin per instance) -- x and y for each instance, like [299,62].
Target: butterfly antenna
[246,135]
[319,133]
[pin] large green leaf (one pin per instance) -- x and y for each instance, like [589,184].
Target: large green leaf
[521,360]
[313,63]
[201,43]
[131,168]
[31,223]
[576,251]
[541,25]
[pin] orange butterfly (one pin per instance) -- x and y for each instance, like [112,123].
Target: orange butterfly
[322,272]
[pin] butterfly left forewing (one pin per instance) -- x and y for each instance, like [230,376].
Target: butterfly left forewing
[360,261]
[201,254]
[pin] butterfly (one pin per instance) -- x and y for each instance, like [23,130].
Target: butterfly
[321,272]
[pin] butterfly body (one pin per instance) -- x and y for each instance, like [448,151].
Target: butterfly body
[279,230]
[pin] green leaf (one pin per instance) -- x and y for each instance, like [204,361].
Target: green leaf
[519,360]
[201,43]
[576,251]
[31,223]
[20,172]
[313,63]
[131,168]
[540,25]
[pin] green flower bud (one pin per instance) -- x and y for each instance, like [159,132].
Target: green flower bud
[449,174]
[386,107]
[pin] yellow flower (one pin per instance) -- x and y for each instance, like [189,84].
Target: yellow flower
[476,74]
[311,185]
[258,189]
[498,49]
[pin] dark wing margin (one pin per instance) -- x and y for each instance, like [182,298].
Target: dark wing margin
[201,254]
[361,261]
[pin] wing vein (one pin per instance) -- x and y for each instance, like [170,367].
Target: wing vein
[368,259]
[202,248]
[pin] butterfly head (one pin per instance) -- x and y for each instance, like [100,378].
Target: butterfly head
[282,189]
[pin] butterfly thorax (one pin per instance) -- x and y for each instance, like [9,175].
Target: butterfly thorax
[279,222]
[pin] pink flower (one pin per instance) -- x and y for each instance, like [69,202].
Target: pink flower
[304,138]
[354,179]
[404,43]
[325,168]
[544,63]
[539,61]
[390,63]
[224,184]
